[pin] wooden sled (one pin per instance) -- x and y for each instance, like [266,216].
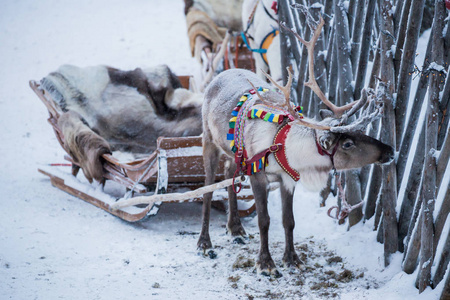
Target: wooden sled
[176,166]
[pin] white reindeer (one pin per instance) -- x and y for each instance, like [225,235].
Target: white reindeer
[260,23]
[294,149]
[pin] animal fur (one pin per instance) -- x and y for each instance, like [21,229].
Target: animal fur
[262,24]
[224,14]
[129,109]
[84,145]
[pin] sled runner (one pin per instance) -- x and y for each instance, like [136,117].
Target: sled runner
[174,168]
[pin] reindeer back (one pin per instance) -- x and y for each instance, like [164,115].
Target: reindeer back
[221,97]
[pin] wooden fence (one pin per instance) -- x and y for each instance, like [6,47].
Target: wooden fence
[365,45]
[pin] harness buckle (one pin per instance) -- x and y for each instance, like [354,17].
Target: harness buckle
[274,148]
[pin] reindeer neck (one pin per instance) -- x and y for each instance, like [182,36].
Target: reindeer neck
[301,149]
[302,154]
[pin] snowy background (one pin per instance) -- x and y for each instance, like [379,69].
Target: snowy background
[55,246]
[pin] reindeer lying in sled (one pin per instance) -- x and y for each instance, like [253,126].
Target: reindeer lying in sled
[271,142]
[149,113]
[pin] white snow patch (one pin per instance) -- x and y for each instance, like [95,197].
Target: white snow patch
[317,5]
[440,247]
[437,67]
[442,191]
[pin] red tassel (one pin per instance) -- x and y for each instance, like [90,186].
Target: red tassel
[274,6]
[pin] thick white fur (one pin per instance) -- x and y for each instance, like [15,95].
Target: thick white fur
[91,81]
[262,25]
[119,113]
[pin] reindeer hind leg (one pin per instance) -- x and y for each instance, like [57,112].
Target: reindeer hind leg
[234,225]
[290,257]
[211,155]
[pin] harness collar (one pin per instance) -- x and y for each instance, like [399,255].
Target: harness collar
[280,156]
[246,109]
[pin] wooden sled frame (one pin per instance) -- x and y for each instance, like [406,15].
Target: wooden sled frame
[176,164]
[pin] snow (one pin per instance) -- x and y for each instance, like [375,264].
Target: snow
[56,246]
[437,67]
[412,150]
[440,246]
[323,53]
[317,5]
[442,191]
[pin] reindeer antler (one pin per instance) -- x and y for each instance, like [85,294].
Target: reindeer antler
[286,90]
[370,114]
[312,84]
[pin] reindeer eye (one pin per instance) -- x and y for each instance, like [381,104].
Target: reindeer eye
[348,144]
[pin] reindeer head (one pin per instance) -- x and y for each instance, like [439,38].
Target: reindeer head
[344,142]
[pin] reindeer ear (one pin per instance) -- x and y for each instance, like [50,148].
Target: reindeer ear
[325,113]
[327,140]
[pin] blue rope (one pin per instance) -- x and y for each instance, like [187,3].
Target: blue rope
[244,38]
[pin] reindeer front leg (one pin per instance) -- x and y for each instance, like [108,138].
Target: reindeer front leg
[234,225]
[265,264]
[290,257]
[211,157]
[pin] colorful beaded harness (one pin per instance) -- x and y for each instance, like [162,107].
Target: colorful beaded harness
[247,109]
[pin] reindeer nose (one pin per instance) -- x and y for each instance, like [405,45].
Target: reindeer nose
[387,156]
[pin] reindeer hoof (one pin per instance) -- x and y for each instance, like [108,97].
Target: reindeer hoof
[269,270]
[271,273]
[207,254]
[236,229]
[204,244]
[292,261]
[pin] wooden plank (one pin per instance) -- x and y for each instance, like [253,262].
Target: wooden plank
[141,213]
[167,143]
[59,183]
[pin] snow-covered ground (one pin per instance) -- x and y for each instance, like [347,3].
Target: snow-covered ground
[55,246]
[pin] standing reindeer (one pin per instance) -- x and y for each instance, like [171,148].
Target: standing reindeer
[289,149]
[260,24]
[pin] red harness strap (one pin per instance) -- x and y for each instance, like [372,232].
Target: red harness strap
[272,149]
[280,156]
[278,149]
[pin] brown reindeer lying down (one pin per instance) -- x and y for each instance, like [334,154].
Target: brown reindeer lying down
[129,109]
[84,145]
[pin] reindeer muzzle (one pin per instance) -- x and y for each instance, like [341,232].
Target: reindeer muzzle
[387,156]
